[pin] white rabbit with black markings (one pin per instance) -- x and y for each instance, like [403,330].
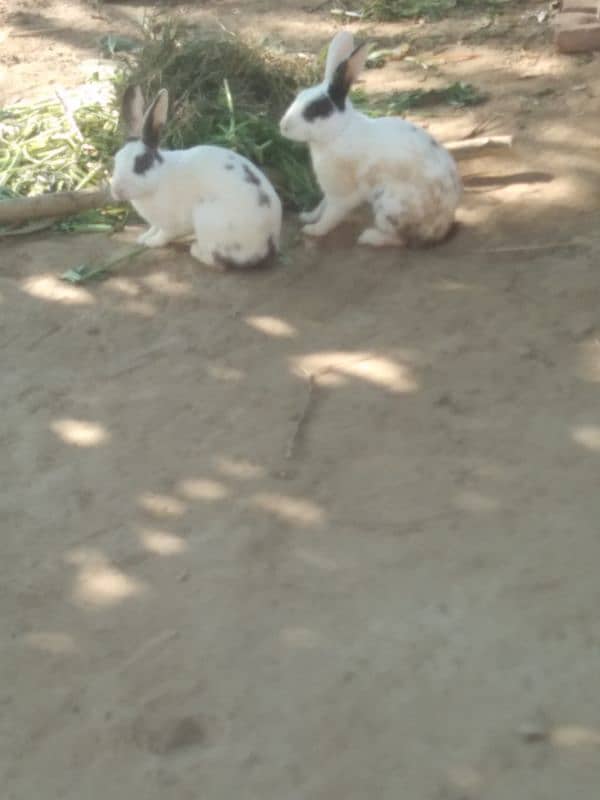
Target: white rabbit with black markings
[210,192]
[410,181]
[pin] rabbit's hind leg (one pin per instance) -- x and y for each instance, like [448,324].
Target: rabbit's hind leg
[392,214]
[211,221]
[374,237]
[206,256]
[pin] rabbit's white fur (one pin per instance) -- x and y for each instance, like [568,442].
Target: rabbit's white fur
[211,192]
[410,181]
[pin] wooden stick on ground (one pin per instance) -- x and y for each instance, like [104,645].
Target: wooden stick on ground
[482,145]
[60,204]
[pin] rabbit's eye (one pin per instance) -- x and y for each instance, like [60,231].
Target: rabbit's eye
[318,109]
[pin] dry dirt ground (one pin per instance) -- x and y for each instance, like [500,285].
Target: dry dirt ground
[399,602]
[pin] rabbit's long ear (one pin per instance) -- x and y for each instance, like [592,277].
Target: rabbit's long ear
[346,73]
[340,49]
[155,120]
[132,111]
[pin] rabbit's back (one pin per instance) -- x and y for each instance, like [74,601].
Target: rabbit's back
[401,151]
[208,173]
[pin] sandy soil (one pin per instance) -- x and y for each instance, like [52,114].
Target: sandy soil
[399,602]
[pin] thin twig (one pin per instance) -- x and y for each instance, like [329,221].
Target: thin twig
[139,363]
[481,127]
[307,409]
[156,642]
[75,130]
[45,335]
[31,32]
[302,419]
[533,248]
[33,227]
[341,12]
[399,528]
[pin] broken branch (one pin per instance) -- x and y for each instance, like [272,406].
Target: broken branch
[473,148]
[59,204]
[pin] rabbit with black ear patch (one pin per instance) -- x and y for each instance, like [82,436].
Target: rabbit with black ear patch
[410,181]
[210,192]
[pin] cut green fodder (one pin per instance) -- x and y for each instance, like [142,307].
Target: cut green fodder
[101,220]
[44,149]
[57,145]
[100,270]
[394,10]
[457,95]
[226,91]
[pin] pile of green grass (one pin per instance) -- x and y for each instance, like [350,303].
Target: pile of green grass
[226,91]
[393,10]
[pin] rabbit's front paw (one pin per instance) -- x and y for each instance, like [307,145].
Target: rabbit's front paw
[309,217]
[156,238]
[146,234]
[332,213]
[316,229]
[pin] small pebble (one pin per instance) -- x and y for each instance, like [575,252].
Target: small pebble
[162,737]
[581,324]
[536,729]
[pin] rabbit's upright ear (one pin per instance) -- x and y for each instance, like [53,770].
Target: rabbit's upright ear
[132,111]
[340,49]
[155,120]
[346,73]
